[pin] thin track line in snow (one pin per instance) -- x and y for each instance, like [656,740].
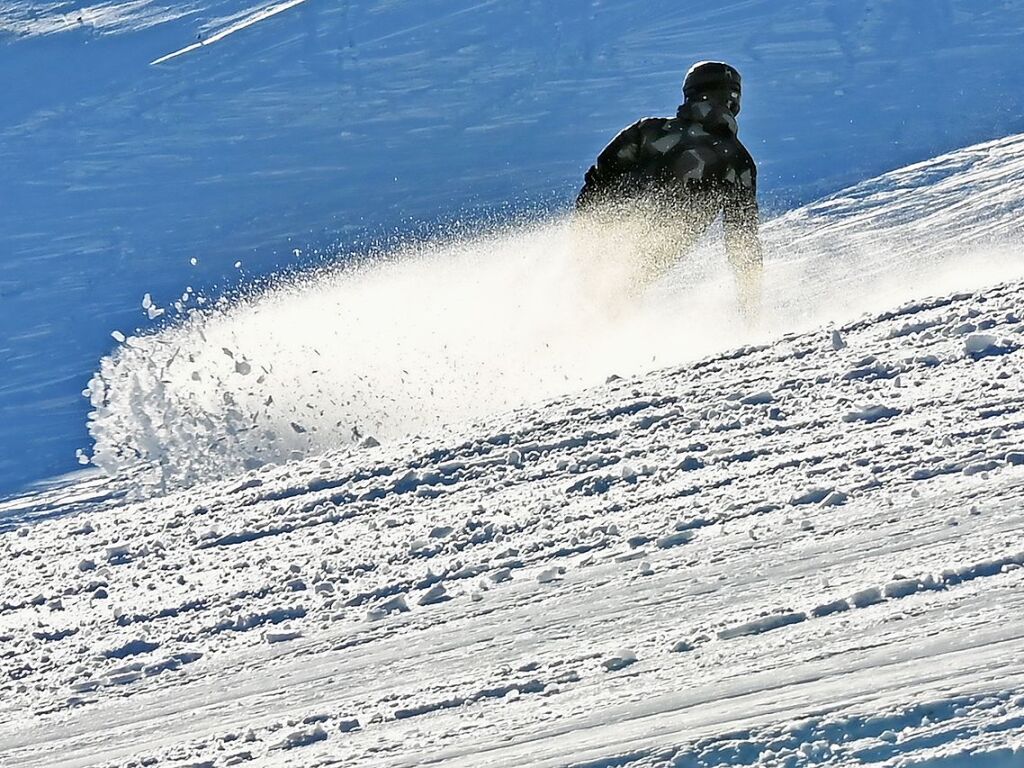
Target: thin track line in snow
[248,21]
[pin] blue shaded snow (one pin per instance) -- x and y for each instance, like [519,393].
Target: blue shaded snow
[323,126]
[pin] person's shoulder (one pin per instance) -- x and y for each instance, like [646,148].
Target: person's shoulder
[647,125]
[639,133]
[657,122]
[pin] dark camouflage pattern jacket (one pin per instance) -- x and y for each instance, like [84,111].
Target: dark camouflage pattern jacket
[691,168]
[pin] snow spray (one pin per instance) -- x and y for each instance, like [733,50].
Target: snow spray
[431,334]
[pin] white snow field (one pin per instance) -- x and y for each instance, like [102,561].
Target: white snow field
[804,550]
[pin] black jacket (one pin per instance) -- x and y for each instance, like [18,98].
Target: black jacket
[691,167]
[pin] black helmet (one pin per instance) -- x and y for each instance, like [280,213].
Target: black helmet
[710,77]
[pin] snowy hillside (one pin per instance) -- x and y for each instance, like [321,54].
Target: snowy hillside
[285,131]
[460,500]
[802,553]
[436,336]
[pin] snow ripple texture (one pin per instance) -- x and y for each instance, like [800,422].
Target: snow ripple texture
[428,335]
[800,553]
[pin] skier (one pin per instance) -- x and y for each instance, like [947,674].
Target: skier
[677,175]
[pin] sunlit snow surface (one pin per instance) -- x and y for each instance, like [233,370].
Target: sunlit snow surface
[425,336]
[791,545]
[801,551]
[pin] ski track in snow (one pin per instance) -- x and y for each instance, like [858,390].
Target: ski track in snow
[805,552]
[262,14]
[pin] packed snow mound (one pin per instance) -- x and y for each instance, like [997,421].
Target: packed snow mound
[952,221]
[806,552]
[426,336]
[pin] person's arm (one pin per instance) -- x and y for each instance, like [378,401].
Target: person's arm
[741,220]
[615,159]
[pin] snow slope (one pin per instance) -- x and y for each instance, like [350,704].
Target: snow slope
[802,551]
[450,330]
[312,127]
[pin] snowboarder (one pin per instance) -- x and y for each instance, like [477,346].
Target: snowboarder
[679,173]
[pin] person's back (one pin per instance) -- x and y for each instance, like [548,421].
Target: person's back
[684,171]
